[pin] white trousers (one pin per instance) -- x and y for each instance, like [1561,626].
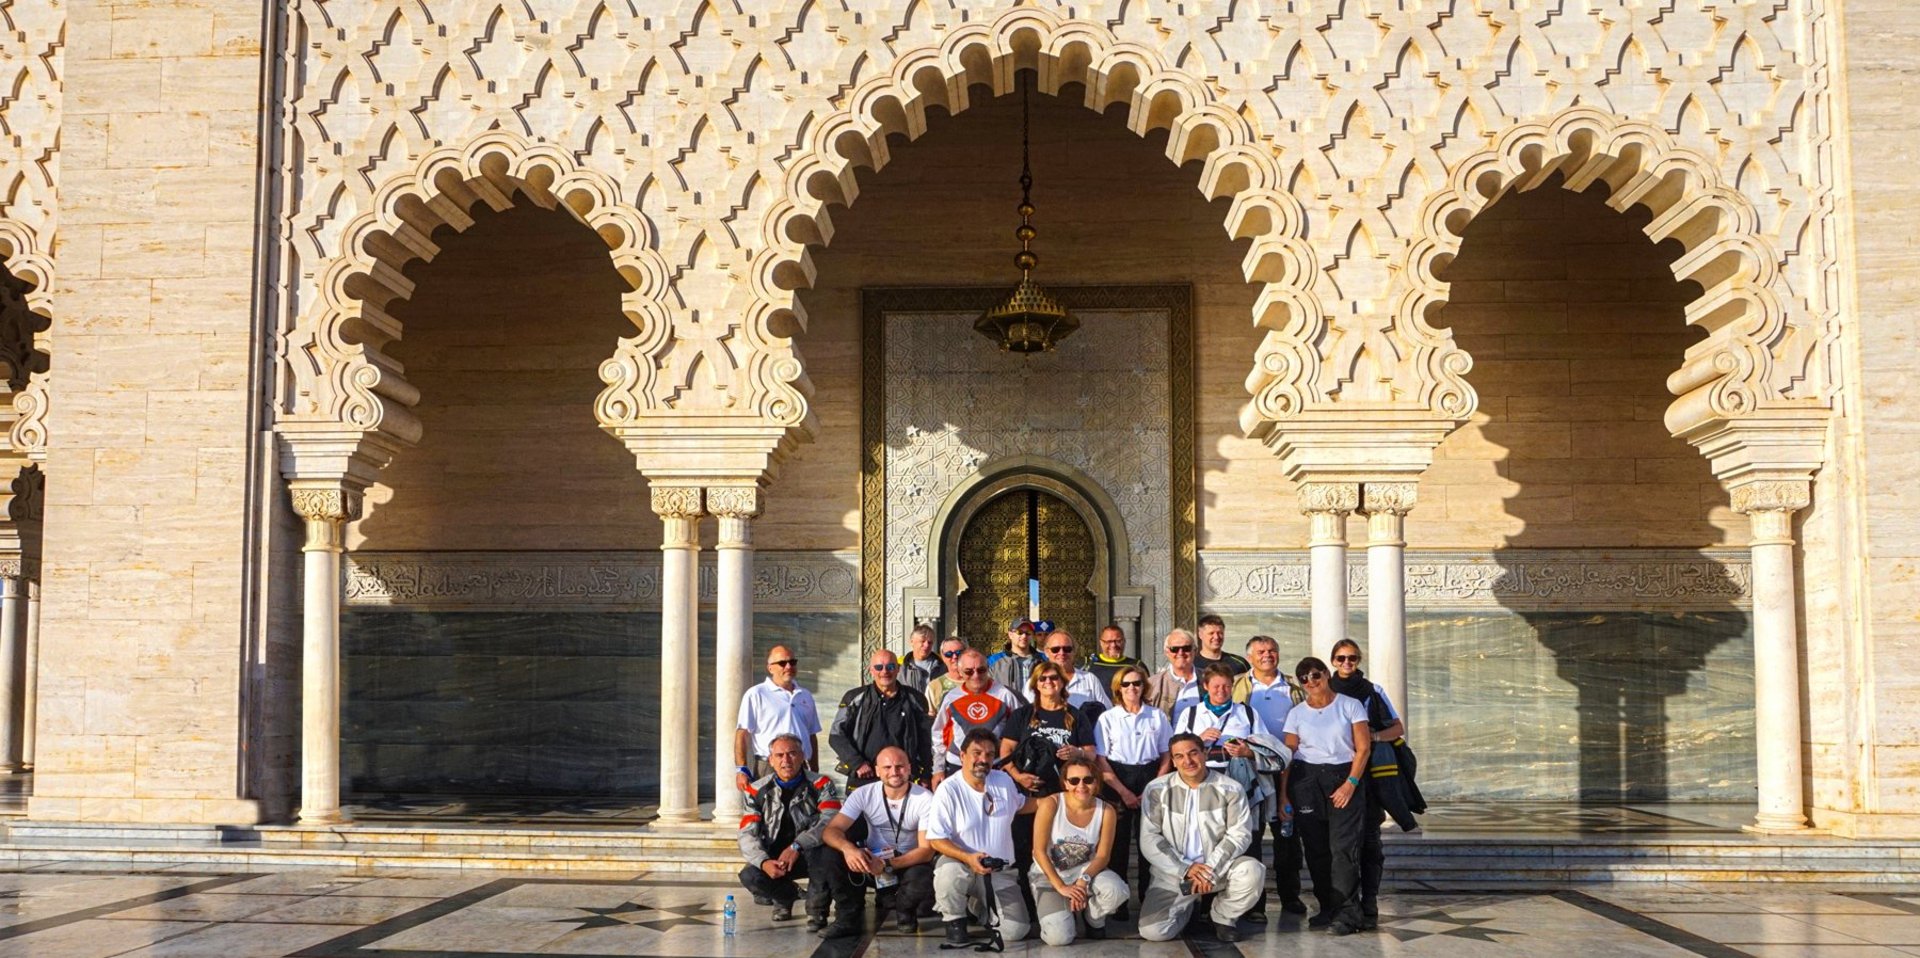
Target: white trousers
[956,893]
[1057,923]
[1164,911]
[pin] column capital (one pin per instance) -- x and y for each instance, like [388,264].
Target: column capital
[678,502]
[324,501]
[1339,498]
[734,502]
[1388,498]
[1771,495]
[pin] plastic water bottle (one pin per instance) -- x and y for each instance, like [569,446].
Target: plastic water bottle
[727,918]
[1286,828]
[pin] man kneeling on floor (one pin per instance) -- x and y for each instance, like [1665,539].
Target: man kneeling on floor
[780,835]
[893,857]
[972,829]
[1194,832]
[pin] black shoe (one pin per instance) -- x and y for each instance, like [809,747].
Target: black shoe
[1256,915]
[762,900]
[1095,934]
[816,922]
[1341,929]
[1369,922]
[1293,906]
[1226,932]
[845,926]
[906,924]
[783,911]
[1320,920]
[957,936]
[1123,913]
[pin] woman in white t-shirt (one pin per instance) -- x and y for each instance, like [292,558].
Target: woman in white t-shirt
[1072,845]
[1330,739]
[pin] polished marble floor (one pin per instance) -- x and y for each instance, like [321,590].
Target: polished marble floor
[75,910]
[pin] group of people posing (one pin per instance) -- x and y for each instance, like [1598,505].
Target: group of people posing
[1031,784]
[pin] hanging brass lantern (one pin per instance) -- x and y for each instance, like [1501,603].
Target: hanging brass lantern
[1029,320]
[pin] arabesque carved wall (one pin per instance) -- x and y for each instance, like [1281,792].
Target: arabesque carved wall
[1354,141]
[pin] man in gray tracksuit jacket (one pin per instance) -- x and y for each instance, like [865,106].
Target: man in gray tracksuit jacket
[1194,831]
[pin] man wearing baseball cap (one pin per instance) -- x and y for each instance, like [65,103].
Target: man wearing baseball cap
[1012,665]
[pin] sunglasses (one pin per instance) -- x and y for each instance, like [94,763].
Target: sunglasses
[1061,649]
[1313,676]
[884,668]
[1346,658]
[969,671]
[1078,780]
[1179,650]
[785,663]
[1048,680]
[1133,684]
[950,655]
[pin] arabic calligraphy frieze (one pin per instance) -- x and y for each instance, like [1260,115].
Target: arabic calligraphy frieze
[1534,579]
[492,581]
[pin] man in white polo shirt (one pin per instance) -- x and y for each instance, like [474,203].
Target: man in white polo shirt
[778,706]
[972,829]
[893,856]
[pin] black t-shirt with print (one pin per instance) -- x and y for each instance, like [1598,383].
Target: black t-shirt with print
[1037,735]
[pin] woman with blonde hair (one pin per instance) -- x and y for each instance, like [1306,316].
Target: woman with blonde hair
[1132,741]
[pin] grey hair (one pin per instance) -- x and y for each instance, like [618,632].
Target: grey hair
[1178,633]
[787,737]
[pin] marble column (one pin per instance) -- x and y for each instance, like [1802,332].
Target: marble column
[30,697]
[735,507]
[1387,505]
[679,509]
[13,610]
[1770,506]
[1327,505]
[1126,614]
[326,509]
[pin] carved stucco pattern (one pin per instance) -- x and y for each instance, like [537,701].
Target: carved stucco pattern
[32,56]
[956,404]
[736,128]
[1573,580]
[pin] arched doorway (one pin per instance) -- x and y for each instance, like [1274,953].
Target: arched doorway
[1030,553]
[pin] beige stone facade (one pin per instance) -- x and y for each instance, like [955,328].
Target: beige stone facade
[372,277]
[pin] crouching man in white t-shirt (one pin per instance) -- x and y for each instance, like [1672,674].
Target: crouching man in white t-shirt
[1194,831]
[972,829]
[894,858]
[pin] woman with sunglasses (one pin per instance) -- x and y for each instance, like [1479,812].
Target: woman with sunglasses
[1330,739]
[1036,739]
[1383,720]
[1073,838]
[1132,737]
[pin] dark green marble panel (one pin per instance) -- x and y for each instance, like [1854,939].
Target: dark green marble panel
[1564,706]
[507,703]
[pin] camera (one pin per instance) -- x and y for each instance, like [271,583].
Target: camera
[993,864]
[1186,886]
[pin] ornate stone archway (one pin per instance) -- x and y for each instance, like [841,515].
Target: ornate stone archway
[1236,164]
[345,406]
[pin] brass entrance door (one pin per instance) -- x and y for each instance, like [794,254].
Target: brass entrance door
[1024,540]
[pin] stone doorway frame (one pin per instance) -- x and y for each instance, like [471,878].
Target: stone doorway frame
[1176,300]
